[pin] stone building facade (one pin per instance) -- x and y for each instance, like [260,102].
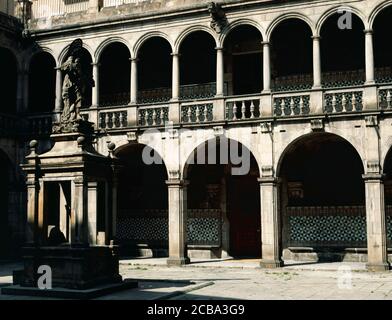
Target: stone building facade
[304,86]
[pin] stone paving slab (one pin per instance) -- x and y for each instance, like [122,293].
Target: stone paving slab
[190,283]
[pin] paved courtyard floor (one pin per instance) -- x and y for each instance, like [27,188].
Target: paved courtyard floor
[241,279]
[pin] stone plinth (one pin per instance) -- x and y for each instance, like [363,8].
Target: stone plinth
[72,267]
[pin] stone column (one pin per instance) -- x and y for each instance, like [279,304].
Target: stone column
[220,72]
[25,91]
[316,63]
[176,77]
[376,225]
[134,84]
[79,212]
[95,97]
[177,223]
[32,209]
[59,89]
[369,56]
[92,212]
[114,205]
[266,66]
[270,223]
[19,92]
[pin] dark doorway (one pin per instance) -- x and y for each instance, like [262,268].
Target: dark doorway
[243,209]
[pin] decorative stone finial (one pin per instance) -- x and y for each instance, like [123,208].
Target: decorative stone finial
[33,147]
[111,148]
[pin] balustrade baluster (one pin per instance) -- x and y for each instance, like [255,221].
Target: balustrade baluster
[344,103]
[301,105]
[189,113]
[292,106]
[197,113]
[334,102]
[283,106]
[243,110]
[235,111]
[162,116]
[389,99]
[205,113]
[107,119]
[154,117]
[354,101]
[121,119]
[252,110]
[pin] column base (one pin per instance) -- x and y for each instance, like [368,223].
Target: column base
[271,264]
[178,262]
[378,267]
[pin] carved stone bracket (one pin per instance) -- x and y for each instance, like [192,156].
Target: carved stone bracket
[371,121]
[218,131]
[266,127]
[132,136]
[317,125]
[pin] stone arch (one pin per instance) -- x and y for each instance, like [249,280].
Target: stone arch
[144,38]
[303,137]
[376,11]
[184,34]
[35,51]
[286,16]
[63,53]
[104,44]
[238,23]
[335,10]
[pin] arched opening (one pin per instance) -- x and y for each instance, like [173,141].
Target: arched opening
[8,68]
[322,200]
[42,83]
[382,47]
[292,55]
[198,67]
[155,71]
[387,170]
[5,235]
[142,221]
[114,77]
[343,50]
[223,205]
[87,70]
[244,60]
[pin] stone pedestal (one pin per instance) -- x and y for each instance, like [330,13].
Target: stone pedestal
[69,190]
[72,267]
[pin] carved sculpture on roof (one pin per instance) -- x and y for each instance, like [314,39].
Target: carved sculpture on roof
[76,82]
[218,17]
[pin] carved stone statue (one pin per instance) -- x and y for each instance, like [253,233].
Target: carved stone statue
[218,17]
[75,85]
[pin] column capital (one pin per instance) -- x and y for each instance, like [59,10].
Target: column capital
[134,59]
[368,31]
[219,48]
[175,54]
[95,64]
[177,183]
[316,37]
[265,43]
[268,180]
[377,177]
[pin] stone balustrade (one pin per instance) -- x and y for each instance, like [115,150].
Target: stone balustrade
[155,115]
[197,112]
[40,124]
[348,100]
[385,97]
[242,108]
[113,119]
[291,104]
